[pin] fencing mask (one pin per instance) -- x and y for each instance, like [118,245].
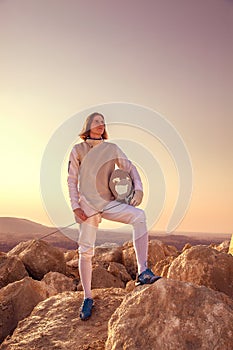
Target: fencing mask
[121,186]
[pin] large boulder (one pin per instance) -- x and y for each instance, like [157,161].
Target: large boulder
[204,266]
[118,270]
[17,300]
[169,250]
[108,252]
[55,323]
[39,258]
[172,315]
[161,267]
[101,278]
[157,251]
[11,269]
[57,283]
[19,248]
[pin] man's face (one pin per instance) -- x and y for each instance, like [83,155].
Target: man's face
[97,126]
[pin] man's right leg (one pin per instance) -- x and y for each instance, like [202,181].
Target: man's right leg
[86,243]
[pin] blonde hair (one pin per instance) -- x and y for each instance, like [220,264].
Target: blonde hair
[85,132]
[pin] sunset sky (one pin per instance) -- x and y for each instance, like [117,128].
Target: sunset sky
[61,57]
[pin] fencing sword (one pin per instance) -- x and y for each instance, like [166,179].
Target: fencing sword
[98,212]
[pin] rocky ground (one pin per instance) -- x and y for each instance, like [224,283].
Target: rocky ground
[191,307]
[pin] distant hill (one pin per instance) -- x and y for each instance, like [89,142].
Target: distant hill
[21,226]
[15,230]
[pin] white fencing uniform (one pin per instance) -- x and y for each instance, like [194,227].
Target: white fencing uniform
[91,164]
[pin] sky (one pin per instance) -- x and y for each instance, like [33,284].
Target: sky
[60,57]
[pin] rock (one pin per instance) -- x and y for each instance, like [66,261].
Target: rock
[71,255]
[230,251]
[17,300]
[161,267]
[11,269]
[72,260]
[72,272]
[108,253]
[156,252]
[186,246]
[19,248]
[222,247]
[204,266]
[72,263]
[39,258]
[129,261]
[55,323]
[58,283]
[127,245]
[172,315]
[101,278]
[119,271]
[130,286]
[170,250]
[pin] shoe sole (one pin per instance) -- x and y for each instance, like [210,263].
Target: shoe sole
[84,319]
[154,279]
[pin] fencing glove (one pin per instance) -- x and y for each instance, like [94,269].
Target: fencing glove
[137,198]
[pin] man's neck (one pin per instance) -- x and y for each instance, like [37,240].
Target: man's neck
[95,136]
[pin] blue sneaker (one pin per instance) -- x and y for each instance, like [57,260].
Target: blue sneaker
[86,309]
[146,277]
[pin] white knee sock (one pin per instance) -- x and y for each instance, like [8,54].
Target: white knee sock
[141,251]
[85,271]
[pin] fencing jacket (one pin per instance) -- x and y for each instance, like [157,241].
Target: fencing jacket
[89,171]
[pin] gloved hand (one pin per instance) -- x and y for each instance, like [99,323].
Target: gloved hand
[80,215]
[137,198]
